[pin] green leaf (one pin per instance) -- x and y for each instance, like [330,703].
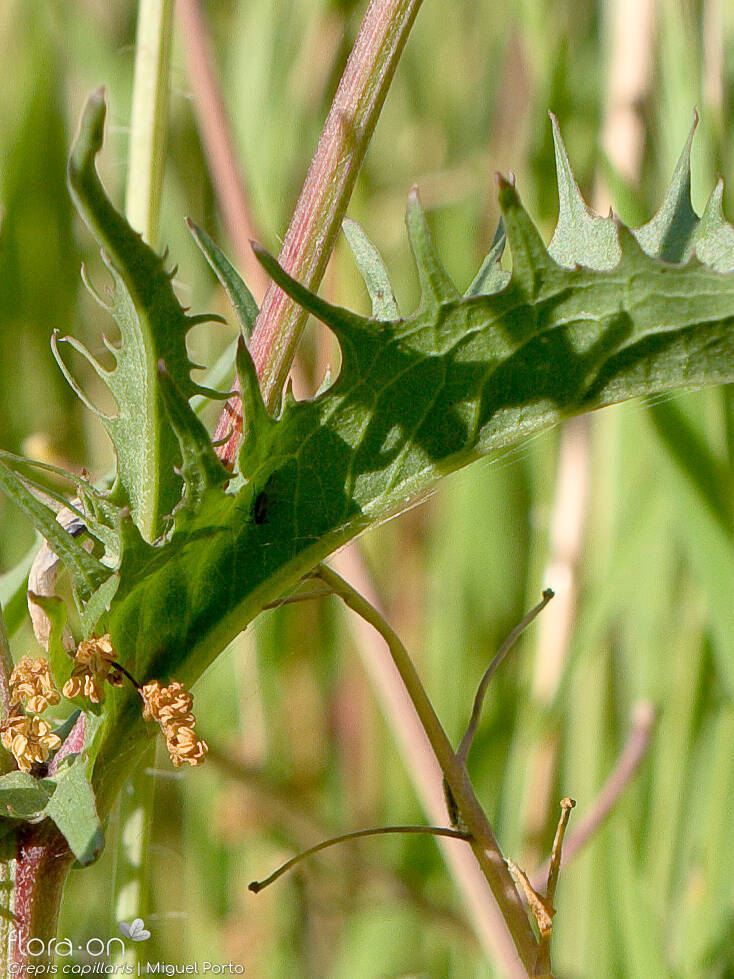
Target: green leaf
[24,797]
[373,271]
[581,236]
[416,398]
[200,468]
[258,427]
[153,327]
[72,807]
[670,233]
[436,285]
[92,506]
[243,302]
[87,573]
[98,605]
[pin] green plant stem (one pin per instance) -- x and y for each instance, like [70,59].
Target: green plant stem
[149,115]
[323,202]
[546,934]
[483,841]
[131,876]
[146,157]
[466,742]
[258,885]
[281,804]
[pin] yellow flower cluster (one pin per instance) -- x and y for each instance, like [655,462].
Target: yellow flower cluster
[93,664]
[171,707]
[29,739]
[32,686]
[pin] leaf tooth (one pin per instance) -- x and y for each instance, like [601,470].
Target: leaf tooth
[71,380]
[530,258]
[436,285]
[581,237]
[491,277]
[715,203]
[206,392]
[668,234]
[714,238]
[631,250]
[373,271]
[94,293]
[82,349]
[204,318]
[340,321]
[256,420]
[289,398]
[129,533]
[325,383]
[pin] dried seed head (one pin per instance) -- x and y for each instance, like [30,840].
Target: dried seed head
[183,744]
[171,707]
[164,704]
[29,739]
[92,665]
[32,686]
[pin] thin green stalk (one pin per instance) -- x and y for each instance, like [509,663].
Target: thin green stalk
[466,742]
[131,870]
[146,158]
[323,202]
[258,885]
[546,933]
[149,117]
[483,841]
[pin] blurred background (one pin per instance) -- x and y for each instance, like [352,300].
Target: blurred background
[627,514]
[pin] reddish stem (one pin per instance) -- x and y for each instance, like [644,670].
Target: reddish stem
[43,860]
[322,204]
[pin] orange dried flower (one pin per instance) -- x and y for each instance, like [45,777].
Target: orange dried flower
[171,707]
[165,703]
[29,739]
[92,665]
[184,746]
[32,686]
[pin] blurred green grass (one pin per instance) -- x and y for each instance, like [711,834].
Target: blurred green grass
[304,751]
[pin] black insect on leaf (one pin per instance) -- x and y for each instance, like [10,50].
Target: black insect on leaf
[262,505]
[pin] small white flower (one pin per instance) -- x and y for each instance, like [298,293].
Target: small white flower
[135,931]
